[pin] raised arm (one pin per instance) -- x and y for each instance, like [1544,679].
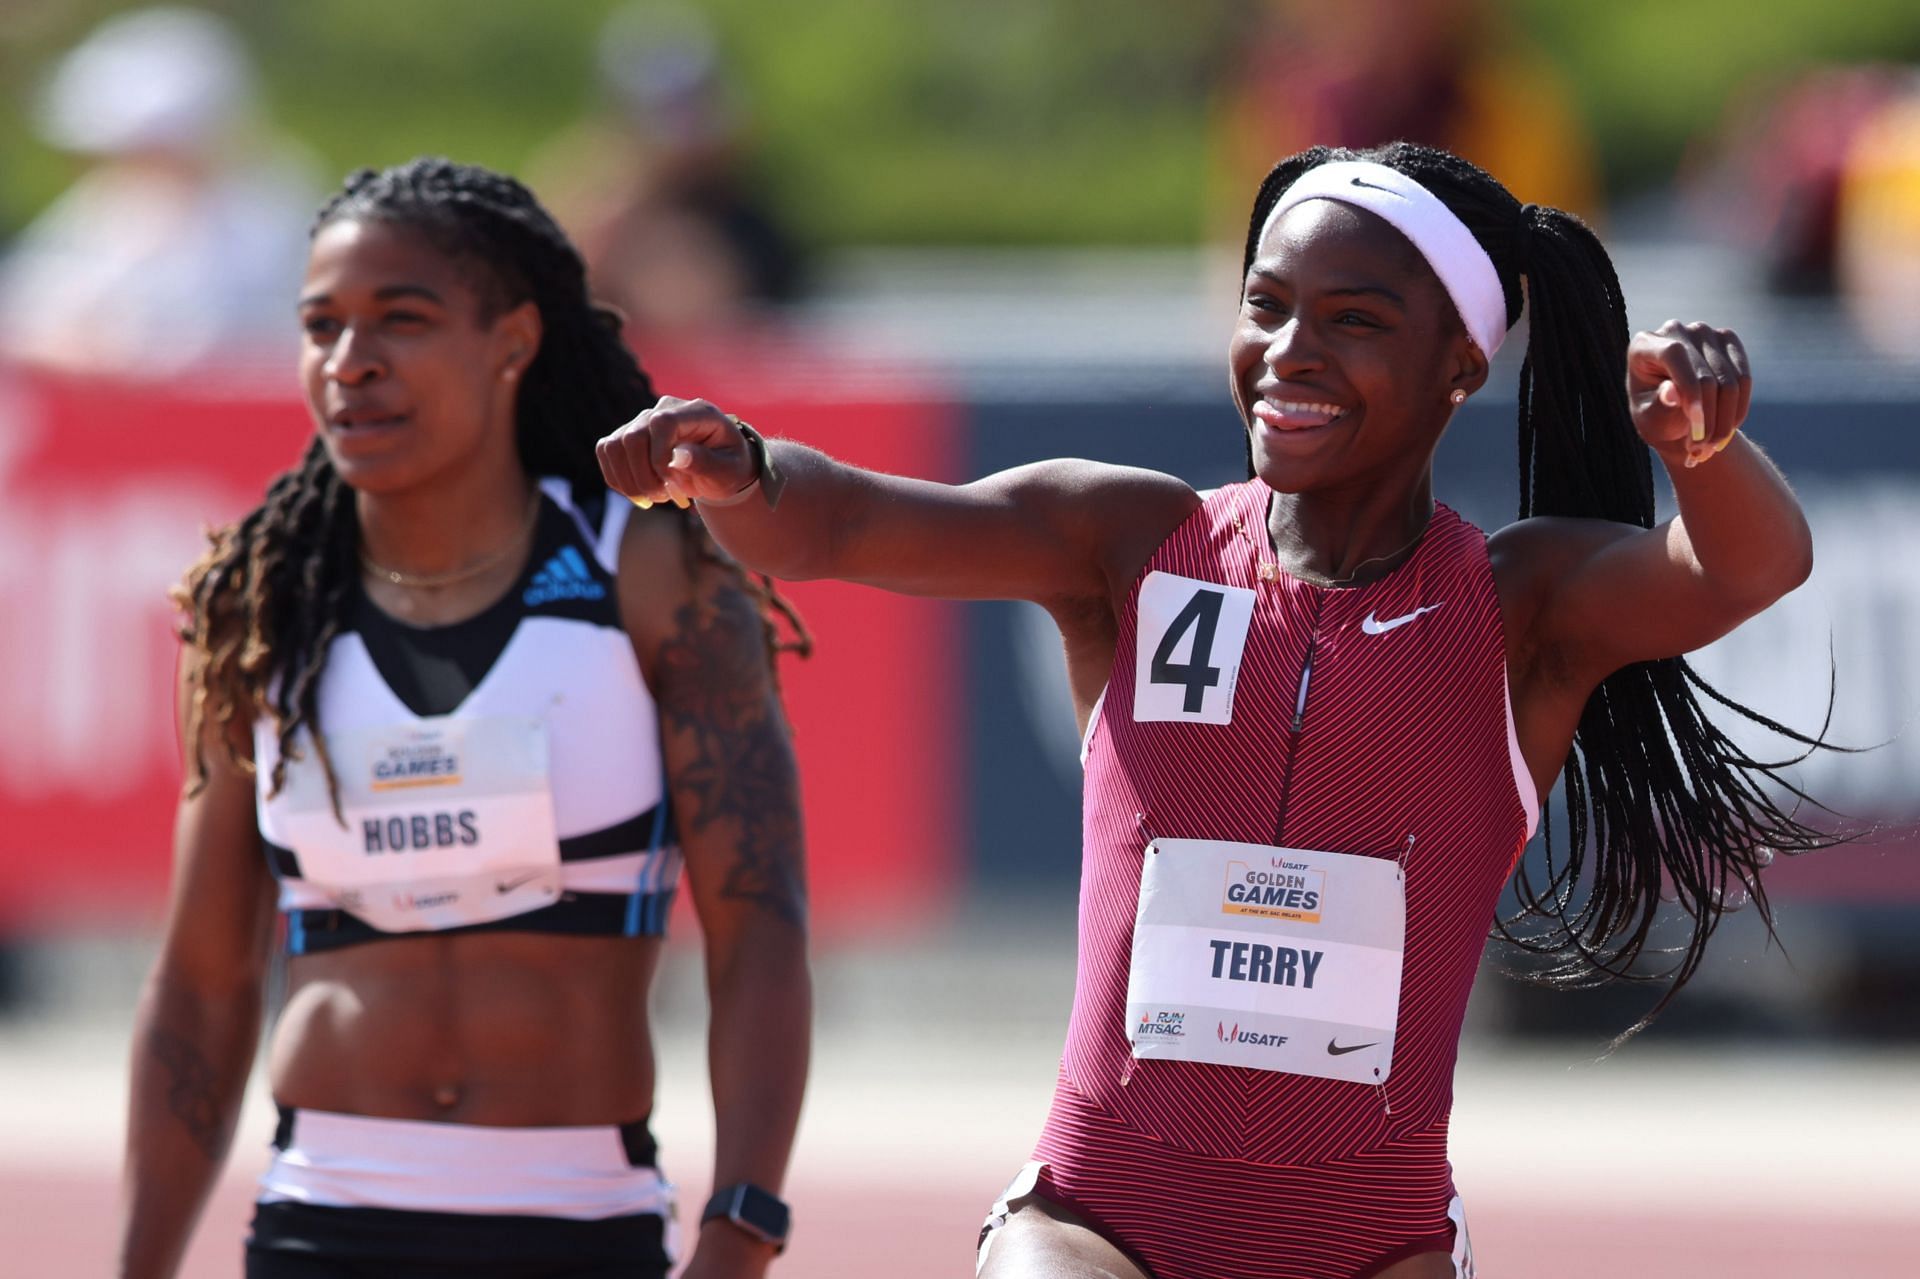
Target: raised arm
[1585,598]
[1051,532]
[199,1017]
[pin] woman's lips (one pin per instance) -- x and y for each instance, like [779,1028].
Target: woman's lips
[1296,415]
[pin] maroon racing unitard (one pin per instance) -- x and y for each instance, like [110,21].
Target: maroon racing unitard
[1249,706]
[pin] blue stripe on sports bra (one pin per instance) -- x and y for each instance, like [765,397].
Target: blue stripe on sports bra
[651,924]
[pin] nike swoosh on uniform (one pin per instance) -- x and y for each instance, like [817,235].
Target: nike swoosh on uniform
[508,885]
[1336,1049]
[1374,186]
[1373,626]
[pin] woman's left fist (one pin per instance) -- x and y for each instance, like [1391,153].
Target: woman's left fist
[1689,386]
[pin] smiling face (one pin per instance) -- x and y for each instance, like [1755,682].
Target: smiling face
[1346,352]
[408,376]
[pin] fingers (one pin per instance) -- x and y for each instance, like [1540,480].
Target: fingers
[678,450]
[1708,382]
[1742,371]
[626,463]
[1686,365]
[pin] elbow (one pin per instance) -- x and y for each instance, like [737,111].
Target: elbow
[1796,557]
[1783,570]
[1801,567]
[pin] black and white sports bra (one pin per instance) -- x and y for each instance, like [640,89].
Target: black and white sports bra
[500,773]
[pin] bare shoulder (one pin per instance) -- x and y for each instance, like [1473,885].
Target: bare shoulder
[1087,487]
[655,575]
[1119,514]
[1531,559]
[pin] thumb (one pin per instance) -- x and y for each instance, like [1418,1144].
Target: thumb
[703,472]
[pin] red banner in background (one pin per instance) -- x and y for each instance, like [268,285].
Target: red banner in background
[105,491]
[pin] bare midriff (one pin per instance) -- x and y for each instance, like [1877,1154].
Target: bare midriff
[497,1029]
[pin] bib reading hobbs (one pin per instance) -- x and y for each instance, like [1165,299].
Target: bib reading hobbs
[442,822]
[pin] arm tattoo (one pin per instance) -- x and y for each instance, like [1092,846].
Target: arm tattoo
[714,687]
[191,1085]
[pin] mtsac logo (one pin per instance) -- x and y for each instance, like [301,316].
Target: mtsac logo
[1234,1035]
[421,763]
[1285,890]
[1161,1025]
[564,577]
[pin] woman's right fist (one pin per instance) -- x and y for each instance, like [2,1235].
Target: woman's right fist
[675,451]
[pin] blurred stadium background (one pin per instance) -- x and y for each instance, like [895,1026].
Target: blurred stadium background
[945,238]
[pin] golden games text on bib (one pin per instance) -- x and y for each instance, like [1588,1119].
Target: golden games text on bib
[447,822]
[1280,959]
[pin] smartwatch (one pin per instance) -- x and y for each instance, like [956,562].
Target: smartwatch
[765,473]
[749,1208]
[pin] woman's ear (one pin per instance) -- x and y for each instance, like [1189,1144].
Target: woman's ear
[517,339]
[1468,371]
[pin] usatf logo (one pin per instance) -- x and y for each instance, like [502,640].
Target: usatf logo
[1161,1025]
[425,761]
[1283,889]
[423,901]
[1234,1035]
[564,577]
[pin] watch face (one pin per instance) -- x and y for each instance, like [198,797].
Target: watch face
[754,1210]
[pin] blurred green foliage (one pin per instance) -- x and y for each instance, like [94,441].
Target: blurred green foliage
[929,121]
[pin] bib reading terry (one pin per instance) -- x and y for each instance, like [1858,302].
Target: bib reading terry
[1278,959]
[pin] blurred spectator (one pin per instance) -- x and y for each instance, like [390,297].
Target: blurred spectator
[1449,73]
[1879,224]
[182,241]
[1772,176]
[655,187]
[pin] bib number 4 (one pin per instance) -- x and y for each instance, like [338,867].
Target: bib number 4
[1191,636]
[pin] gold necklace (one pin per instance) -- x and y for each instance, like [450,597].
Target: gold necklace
[429,581]
[1314,579]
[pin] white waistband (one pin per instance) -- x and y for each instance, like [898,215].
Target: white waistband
[351,1161]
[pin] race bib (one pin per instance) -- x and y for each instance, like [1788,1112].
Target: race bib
[1271,958]
[1189,638]
[448,822]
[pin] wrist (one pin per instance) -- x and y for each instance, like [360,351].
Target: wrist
[765,475]
[723,1249]
[756,1215]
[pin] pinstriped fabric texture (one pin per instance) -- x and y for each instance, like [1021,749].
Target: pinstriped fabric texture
[1206,1170]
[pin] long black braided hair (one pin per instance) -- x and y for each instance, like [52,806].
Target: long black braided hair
[264,604]
[1659,800]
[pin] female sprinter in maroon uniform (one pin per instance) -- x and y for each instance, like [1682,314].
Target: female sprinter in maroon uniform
[460,717]
[1320,708]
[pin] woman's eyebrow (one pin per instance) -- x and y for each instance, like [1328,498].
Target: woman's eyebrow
[1347,290]
[1369,290]
[387,294]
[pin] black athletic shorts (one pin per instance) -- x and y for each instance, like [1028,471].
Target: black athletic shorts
[301,1241]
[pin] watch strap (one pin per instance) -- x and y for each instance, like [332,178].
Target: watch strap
[759,1213]
[765,471]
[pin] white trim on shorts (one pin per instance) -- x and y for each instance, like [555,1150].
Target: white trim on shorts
[352,1161]
[1017,1192]
[1462,1246]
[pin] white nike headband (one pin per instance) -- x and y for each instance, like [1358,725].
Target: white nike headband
[1465,270]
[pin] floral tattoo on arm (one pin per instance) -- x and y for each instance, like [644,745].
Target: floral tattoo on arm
[715,688]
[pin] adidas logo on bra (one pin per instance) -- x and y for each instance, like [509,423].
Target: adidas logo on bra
[564,577]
